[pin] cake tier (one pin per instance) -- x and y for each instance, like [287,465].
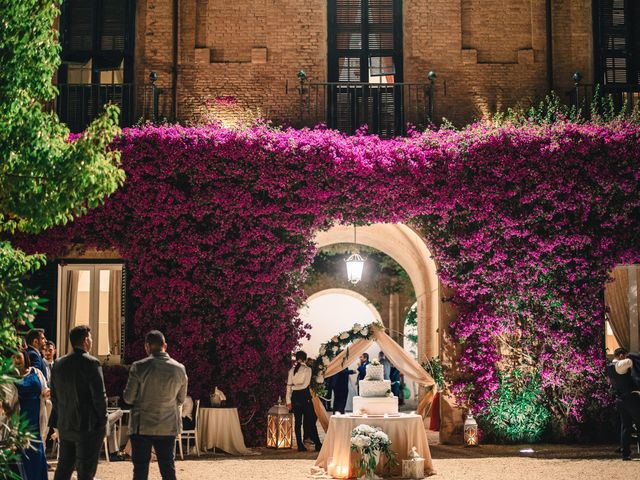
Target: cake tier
[374,388]
[374,372]
[375,405]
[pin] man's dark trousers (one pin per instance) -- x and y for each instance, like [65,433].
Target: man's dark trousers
[629,410]
[141,455]
[79,452]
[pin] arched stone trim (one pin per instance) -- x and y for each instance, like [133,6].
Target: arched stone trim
[407,248]
[349,293]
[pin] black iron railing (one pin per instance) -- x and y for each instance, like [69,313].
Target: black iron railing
[78,104]
[385,108]
[620,96]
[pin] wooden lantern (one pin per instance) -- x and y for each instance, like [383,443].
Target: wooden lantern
[279,426]
[470,431]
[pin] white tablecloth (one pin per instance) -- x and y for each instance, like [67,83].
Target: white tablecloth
[219,428]
[405,431]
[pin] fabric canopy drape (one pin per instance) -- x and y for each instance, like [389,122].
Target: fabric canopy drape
[115,311]
[71,304]
[396,355]
[617,299]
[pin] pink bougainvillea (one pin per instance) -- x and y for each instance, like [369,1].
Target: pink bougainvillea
[524,222]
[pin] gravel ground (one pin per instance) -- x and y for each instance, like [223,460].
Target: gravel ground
[489,462]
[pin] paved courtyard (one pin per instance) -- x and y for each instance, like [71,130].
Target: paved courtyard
[547,462]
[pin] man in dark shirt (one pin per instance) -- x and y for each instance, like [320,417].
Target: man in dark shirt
[79,407]
[627,396]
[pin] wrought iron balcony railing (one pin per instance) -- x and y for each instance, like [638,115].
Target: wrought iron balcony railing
[582,96]
[385,108]
[78,104]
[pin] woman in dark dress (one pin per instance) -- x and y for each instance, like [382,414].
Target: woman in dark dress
[30,389]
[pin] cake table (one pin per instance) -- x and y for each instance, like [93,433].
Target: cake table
[404,431]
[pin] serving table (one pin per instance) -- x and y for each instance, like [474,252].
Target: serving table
[404,431]
[219,428]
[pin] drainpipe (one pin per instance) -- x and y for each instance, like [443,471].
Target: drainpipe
[549,28]
[174,67]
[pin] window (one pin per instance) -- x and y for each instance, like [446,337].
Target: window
[365,63]
[617,42]
[92,294]
[365,41]
[97,59]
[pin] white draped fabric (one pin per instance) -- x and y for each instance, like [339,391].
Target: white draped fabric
[411,369]
[405,431]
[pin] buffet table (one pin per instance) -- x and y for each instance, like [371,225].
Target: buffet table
[219,428]
[404,431]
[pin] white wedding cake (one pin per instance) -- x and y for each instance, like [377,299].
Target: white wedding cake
[375,393]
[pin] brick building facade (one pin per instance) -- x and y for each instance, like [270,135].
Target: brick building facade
[216,57]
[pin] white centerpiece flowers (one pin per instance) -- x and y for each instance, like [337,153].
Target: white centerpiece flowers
[371,442]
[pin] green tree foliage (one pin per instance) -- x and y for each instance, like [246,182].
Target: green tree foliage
[45,179]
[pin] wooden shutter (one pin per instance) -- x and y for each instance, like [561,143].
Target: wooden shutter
[78,22]
[614,42]
[113,25]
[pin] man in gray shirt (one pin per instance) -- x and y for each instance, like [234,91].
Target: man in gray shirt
[156,389]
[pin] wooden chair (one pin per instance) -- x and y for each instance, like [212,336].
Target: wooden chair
[189,434]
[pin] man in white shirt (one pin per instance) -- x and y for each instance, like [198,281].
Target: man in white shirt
[299,400]
[627,396]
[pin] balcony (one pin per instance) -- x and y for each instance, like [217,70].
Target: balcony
[78,104]
[616,95]
[385,108]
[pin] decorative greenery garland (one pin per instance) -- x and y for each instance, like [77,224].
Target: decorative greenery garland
[329,350]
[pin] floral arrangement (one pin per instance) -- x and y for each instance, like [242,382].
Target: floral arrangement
[525,221]
[370,442]
[333,347]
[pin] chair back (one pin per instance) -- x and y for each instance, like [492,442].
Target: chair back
[196,411]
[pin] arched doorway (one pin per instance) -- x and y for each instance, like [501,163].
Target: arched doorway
[345,308]
[407,248]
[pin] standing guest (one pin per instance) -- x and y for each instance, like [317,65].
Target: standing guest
[394,376]
[386,365]
[362,368]
[32,390]
[36,341]
[341,389]
[79,407]
[299,400]
[627,399]
[48,356]
[156,389]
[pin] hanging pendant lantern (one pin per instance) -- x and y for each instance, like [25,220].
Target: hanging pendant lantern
[355,264]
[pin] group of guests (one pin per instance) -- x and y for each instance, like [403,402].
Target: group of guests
[624,375]
[74,385]
[299,401]
[339,383]
[30,395]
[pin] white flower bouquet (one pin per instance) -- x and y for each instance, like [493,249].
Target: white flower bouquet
[371,442]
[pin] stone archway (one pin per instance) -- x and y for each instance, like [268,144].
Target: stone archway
[407,248]
[350,293]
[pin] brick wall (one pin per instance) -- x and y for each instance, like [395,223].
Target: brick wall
[488,54]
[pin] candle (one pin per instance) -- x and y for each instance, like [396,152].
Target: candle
[341,472]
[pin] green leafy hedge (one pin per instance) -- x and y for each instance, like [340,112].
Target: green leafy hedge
[517,413]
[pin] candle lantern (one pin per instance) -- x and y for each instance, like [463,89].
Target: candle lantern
[279,426]
[413,467]
[470,431]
